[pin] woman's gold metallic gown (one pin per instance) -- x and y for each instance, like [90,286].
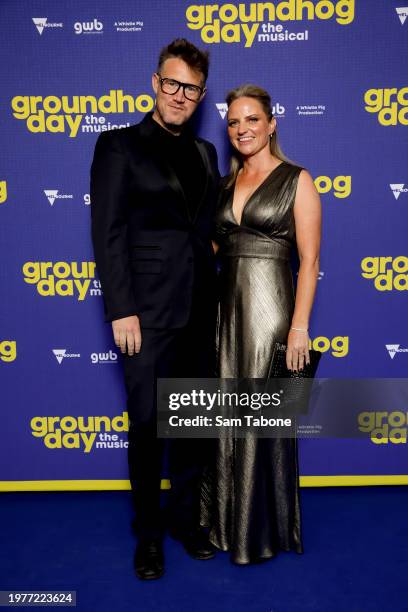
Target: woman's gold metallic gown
[251,501]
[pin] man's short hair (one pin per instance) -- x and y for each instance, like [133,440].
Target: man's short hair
[183,49]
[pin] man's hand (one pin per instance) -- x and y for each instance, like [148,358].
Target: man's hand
[127,334]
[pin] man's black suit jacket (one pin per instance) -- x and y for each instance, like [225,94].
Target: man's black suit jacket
[148,250]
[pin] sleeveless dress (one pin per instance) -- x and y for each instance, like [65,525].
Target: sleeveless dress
[251,500]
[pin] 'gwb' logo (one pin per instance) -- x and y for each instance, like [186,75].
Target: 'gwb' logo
[110,357]
[393,349]
[278,110]
[222,109]
[52,195]
[61,354]
[41,23]
[402,13]
[88,27]
[397,189]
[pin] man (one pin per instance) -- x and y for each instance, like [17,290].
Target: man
[153,192]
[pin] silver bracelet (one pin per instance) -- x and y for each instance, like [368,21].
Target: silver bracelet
[300,329]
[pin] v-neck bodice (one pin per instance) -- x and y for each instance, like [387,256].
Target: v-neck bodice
[268,212]
[252,194]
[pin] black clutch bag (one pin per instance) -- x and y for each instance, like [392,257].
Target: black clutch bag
[278,369]
[297,385]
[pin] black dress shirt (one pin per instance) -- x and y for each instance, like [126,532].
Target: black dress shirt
[181,153]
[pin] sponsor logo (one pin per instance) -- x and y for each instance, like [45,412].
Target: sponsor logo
[222,109]
[397,189]
[384,427]
[250,22]
[62,278]
[8,350]
[128,26]
[110,357]
[41,23]
[338,346]
[277,109]
[61,354]
[391,105]
[52,195]
[393,349]
[81,432]
[388,273]
[88,27]
[341,185]
[402,13]
[310,109]
[3,191]
[67,114]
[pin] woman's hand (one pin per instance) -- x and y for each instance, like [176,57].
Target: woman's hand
[297,353]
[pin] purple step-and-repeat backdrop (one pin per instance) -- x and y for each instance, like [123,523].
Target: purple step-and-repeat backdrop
[336,70]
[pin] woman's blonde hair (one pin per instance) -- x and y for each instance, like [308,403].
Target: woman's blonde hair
[253,91]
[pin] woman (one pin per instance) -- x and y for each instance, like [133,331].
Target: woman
[267,205]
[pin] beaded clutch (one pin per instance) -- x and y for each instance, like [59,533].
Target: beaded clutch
[297,386]
[278,369]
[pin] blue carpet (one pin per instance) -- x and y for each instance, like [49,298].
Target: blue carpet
[355,560]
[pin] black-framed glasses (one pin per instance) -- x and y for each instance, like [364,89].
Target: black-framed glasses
[171,87]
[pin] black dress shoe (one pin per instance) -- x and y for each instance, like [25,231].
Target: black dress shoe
[196,544]
[149,561]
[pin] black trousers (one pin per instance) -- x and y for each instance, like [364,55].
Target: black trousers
[188,352]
